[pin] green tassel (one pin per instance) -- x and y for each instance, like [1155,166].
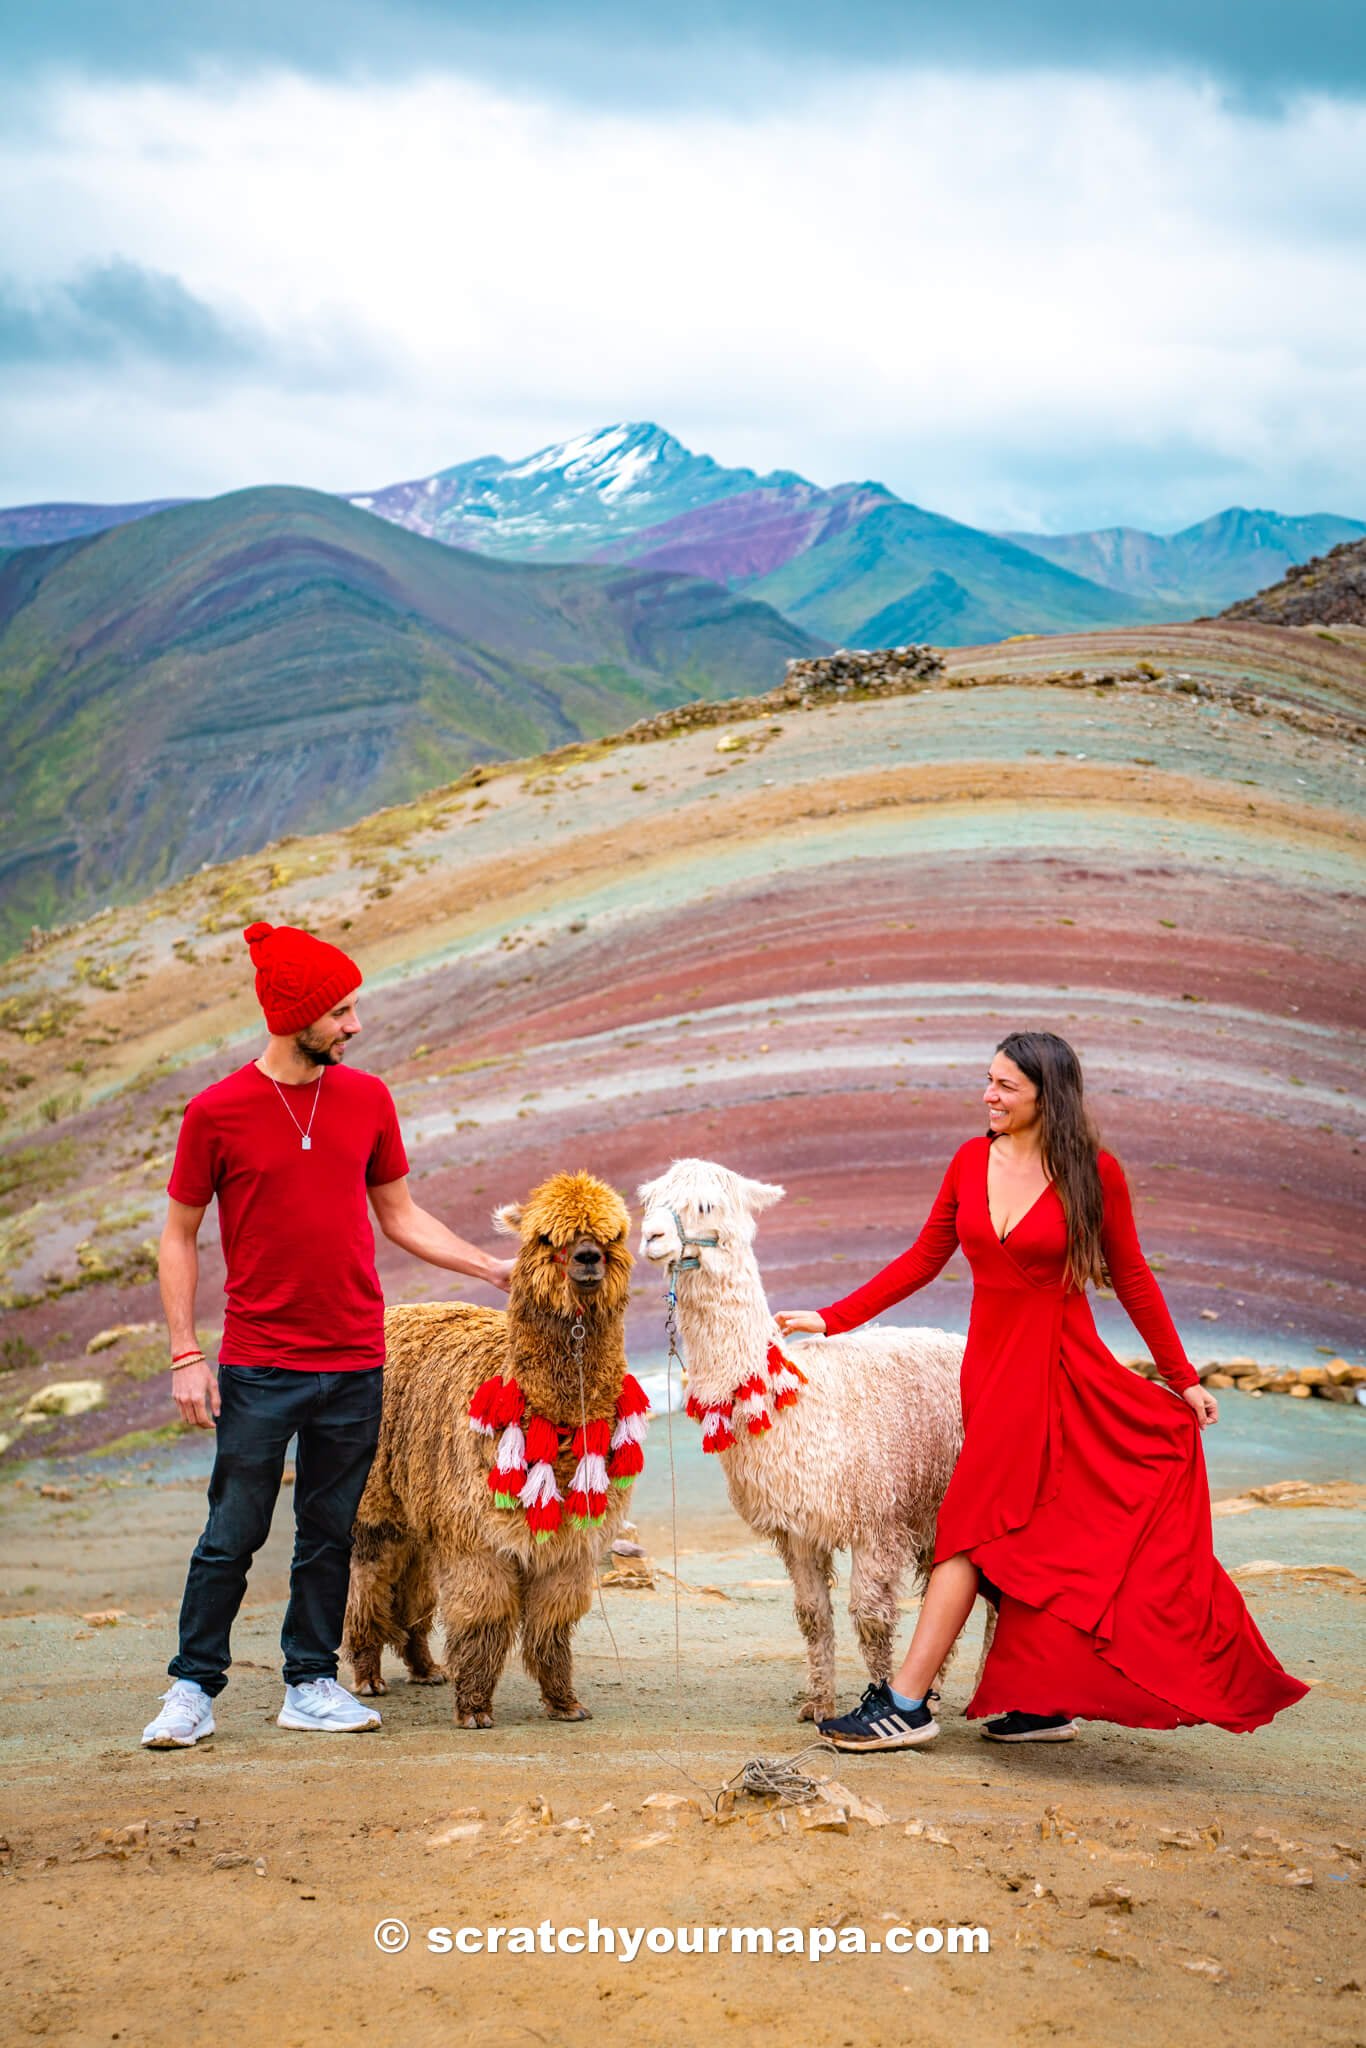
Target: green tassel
[505,1500]
[543,1535]
[623,1483]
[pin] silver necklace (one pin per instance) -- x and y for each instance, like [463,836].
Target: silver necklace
[305,1141]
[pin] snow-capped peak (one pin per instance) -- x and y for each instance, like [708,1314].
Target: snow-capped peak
[611,461]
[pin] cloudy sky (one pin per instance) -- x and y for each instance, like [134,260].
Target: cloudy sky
[1027,266]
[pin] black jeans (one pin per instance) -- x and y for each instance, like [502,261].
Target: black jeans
[336,1418]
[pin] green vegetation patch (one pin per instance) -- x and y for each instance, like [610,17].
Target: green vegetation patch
[127,1266]
[389,831]
[18,1355]
[471,1066]
[142,1440]
[31,1173]
[234,892]
[53,1109]
[144,1361]
[94,973]
[36,1018]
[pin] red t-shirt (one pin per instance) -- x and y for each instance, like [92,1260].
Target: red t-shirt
[301,1282]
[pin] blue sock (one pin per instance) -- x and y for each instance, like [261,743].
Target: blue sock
[899,1699]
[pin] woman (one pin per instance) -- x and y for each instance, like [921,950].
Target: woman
[1079,1502]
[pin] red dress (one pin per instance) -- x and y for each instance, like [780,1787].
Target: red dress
[1080,1491]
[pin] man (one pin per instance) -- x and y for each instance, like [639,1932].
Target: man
[291,1144]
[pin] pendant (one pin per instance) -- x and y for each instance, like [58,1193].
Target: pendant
[306,1144]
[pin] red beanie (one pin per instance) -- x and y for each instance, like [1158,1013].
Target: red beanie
[298,978]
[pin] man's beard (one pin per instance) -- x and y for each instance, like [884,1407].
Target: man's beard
[319,1055]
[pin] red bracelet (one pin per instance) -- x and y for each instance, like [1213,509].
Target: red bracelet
[182,1357]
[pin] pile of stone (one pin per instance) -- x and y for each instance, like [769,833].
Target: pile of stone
[877,672]
[888,672]
[682,718]
[1334,1380]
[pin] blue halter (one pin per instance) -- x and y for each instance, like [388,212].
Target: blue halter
[688,1260]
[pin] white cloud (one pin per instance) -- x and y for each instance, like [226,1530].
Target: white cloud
[1044,299]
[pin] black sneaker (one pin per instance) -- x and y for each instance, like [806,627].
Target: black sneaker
[877,1722]
[1031,1728]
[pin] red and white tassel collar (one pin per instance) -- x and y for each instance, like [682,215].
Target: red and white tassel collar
[752,1404]
[523,1473]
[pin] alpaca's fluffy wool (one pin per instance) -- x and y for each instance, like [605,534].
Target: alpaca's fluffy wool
[430,1530]
[859,1462]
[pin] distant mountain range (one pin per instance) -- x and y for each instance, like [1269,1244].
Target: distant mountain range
[854,564]
[1203,568]
[36,526]
[188,686]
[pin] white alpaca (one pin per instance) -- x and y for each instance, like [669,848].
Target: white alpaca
[858,1461]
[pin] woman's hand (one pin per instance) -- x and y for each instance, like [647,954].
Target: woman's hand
[1205,1406]
[797,1322]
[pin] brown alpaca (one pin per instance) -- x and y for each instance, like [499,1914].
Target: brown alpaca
[429,1534]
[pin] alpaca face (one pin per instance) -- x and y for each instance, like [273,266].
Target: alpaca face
[698,1199]
[573,1232]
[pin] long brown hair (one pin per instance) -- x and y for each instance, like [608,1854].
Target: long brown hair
[1068,1142]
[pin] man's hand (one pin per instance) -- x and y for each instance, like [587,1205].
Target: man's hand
[1205,1406]
[195,1393]
[500,1273]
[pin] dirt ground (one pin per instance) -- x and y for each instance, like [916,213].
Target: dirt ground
[1190,1887]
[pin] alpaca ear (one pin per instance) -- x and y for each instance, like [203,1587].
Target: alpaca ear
[645,1194]
[508,1219]
[758,1195]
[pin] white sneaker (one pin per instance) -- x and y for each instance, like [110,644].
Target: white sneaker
[186,1717]
[323,1704]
